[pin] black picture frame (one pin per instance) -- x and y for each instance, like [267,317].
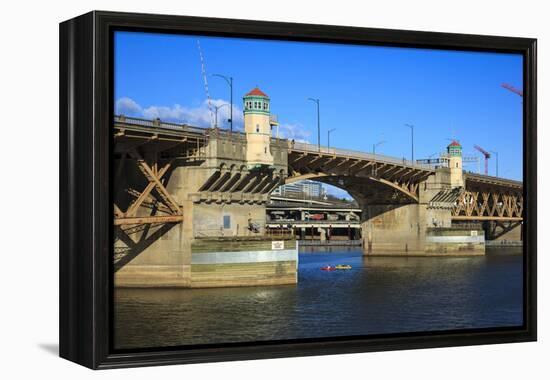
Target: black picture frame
[86,106]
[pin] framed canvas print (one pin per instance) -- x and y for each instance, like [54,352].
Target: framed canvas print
[237,189]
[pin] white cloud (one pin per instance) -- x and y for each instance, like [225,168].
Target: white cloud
[294,132]
[128,107]
[199,116]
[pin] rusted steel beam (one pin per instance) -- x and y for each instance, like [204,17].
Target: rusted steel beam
[397,173]
[396,187]
[356,172]
[321,161]
[296,160]
[161,190]
[145,193]
[316,159]
[389,172]
[148,220]
[335,162]
[357,162]
[118,213]
[409,175]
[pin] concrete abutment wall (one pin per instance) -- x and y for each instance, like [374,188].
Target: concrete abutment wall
[162,255]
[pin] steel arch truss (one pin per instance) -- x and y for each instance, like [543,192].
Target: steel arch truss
[393,182]
[498,204]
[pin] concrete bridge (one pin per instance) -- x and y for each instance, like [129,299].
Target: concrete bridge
[189,203]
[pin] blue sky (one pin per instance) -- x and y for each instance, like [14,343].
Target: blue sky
[367,93]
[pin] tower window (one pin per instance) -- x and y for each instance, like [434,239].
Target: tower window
[258,128]
[265,150]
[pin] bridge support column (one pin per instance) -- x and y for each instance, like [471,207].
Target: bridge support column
[417,230]
[165,258]
[394,230]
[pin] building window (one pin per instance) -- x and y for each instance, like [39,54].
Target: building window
[227,221]
[265,150]
[258,128]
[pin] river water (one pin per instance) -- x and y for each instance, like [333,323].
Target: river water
[378,295]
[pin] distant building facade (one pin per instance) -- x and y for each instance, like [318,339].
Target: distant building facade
[306,188]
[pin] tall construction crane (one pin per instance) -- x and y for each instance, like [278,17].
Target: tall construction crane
[487,155]
[513,89]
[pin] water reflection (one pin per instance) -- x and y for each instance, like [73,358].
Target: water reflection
[379,295]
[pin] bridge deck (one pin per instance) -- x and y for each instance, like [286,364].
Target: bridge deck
[493,181]
[162,131]
[358,155]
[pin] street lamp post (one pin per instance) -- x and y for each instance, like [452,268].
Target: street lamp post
[496,156]
[374,154]
[216,113]
[328,137]
[318,123]
[229,81]
[412,142]
[375,145]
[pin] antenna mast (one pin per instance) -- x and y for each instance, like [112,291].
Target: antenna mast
[203,69]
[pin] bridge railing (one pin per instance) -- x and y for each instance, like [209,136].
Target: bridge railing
[358,154]
[158,124]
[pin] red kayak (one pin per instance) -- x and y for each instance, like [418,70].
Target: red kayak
[328,268]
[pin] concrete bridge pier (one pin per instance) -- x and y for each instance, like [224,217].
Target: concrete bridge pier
[394,229]
[423,227]
[166,260]
[418,230]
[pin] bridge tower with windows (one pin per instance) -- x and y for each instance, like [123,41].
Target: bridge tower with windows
[454,152]
[257,127]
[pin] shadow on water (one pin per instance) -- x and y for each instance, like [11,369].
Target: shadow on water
[378,295]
